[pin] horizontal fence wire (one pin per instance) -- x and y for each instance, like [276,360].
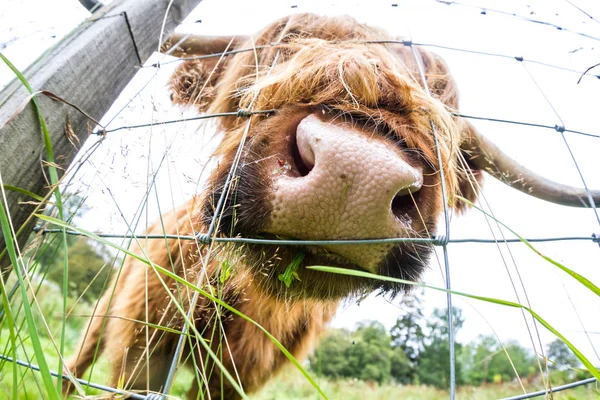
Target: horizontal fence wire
[247,113]
[486,10]
[407,43]
[83,382]
[436,241]
[240,113]
[557,128]
[554,389]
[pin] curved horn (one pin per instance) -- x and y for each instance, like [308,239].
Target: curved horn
[487,156]
[185,44]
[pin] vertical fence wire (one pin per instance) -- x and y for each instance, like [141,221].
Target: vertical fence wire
[444,241]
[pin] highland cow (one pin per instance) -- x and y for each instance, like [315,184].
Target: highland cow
[348,152]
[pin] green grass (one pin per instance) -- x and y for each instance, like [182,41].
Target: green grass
[290,385]
[29,383]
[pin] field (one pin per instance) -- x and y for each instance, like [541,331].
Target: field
[291,385]
[288,385]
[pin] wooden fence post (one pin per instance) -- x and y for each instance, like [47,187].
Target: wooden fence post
[89,68]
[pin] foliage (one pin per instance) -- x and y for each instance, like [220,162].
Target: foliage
[364,354]
[407,355]
[486,361]
[563,364]
[417,352]
[560,356]
[408,338]
[433,366]
[90,263]
[89,266]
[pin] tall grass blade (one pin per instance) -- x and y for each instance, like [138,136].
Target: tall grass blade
[32,328]
[11,329]
[53,173]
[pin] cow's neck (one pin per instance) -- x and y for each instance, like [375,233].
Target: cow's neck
[296,325]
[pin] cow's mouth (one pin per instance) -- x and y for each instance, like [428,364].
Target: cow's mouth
[271,262]
[313,255]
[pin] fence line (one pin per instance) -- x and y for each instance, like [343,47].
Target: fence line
[436,241]
[155,396]
[209,237]
[407,43]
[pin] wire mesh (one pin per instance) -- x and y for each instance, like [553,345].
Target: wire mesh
[210,237]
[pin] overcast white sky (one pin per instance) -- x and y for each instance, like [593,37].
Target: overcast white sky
[490,86]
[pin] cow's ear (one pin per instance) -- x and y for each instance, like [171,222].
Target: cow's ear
[193,82]
[470,176]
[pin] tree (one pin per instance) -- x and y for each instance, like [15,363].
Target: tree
[330,357]
[371,354]
[365,353]
[562,362]
[408,338]
[433,367]
[87,260]
[485,360]
[560,355]
[403,370]
[89,267]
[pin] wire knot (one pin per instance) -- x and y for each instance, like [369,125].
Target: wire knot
[242,112]
[559,128]
[596,238]
[407,43]
[520,59]
[203,238]
[441,240]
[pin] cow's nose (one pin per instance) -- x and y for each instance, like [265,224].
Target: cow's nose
[352,187]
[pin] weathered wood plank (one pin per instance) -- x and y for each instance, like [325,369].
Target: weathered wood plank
[89,68]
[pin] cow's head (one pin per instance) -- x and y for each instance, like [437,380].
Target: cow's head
[349,151]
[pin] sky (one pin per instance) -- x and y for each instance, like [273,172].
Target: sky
[116,176]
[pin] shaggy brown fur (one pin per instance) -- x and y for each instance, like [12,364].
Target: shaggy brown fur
[376,86]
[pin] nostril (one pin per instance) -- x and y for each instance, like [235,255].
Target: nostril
[302,151]
[301,165]
[405,201]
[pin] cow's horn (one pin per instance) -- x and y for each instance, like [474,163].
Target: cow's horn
[487,156]
[185,44]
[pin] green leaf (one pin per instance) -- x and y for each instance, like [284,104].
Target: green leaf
[225,271]
[291,270]
[23,191]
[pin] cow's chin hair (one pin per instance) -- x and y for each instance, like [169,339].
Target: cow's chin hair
[267,262]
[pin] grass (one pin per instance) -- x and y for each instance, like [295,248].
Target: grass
[29,383]
[290,385]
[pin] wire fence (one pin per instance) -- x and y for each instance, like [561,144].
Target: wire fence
[210,237]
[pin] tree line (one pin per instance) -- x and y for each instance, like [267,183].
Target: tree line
[416,351]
